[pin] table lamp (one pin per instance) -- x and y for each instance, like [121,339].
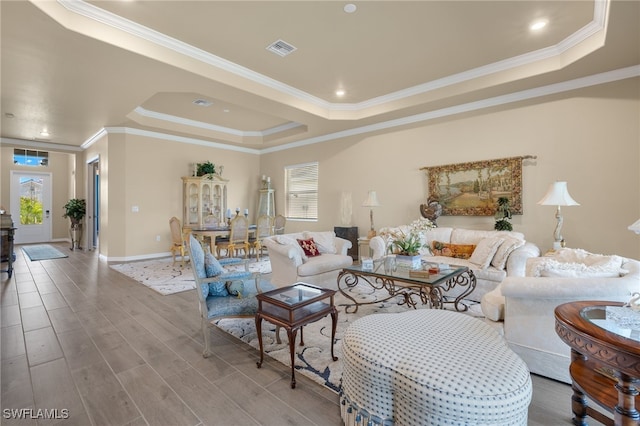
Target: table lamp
[558,195]
[371,201]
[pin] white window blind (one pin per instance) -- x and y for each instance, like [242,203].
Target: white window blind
[301,189]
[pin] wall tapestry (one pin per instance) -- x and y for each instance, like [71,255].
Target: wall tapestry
[473,189]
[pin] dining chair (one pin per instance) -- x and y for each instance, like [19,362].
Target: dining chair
[264,228]
[238,237]
[179,242]
[278,225]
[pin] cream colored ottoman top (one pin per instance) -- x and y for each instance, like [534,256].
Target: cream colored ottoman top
[431,367]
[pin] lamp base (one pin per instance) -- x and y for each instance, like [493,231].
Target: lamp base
[371,234]
[557,245]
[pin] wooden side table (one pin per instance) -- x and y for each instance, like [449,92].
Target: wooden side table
[292,308]
[605,362]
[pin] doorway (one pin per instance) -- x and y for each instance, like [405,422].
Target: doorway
[31,206]
[93,204]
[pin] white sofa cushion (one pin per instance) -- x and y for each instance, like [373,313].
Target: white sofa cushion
[325,241]
[509,244]
[492,305]
[324,263]
[484,251]
[576,263]
[286,240]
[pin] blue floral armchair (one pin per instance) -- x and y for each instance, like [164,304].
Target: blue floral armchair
[222,293]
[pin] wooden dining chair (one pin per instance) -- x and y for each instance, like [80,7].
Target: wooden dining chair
[178,241]
[264,228]
[238,237]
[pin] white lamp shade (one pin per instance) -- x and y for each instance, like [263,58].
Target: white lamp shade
[558,195]
[635,227]
[372,200]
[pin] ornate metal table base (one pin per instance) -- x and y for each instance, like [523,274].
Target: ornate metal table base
[431,294]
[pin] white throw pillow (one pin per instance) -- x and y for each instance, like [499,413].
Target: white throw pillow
[325,241]
[591,266]
[484,251]
[507,247]
[288,241]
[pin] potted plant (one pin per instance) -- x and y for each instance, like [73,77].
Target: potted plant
[206,168]
[407,244]
[75,210]
[503,215]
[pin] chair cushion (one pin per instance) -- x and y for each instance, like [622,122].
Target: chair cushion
[237,306]
[212,267]
[309,247]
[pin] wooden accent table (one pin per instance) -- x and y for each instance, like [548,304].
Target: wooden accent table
[605,362]
[293,307]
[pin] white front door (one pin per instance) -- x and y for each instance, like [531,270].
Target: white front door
[31,206]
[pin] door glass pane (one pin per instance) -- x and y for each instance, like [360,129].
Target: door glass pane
[31,200]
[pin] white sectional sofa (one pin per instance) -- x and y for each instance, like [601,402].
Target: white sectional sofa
[289,264]
[502,263]
[524,308]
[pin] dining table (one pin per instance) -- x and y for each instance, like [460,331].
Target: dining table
[211,232]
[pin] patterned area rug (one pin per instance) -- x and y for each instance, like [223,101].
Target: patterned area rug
[164,277]
[42,252]
[314,359]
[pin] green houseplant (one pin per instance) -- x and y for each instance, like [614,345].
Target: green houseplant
[503,215]
[206,168]
[75,210]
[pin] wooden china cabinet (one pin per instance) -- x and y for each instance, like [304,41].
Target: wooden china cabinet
[204,201]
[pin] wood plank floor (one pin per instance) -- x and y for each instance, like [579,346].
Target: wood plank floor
[82,340]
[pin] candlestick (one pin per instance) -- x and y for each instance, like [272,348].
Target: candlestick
[246,213]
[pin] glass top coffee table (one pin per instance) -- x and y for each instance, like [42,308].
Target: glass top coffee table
[293,307]
[427,288]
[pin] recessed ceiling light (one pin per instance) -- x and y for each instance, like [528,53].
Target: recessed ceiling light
[44,133]
[350,7]
[226,110]
[538,25]
[340,92]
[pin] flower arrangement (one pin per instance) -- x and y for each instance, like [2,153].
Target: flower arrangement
[410,241]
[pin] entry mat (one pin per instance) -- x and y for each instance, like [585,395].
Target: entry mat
[42,252]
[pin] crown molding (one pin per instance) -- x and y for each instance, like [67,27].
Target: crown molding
[597,25]
[38,144]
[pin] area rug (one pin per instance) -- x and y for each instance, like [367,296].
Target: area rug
[42,252]
[166,278]
[314,358]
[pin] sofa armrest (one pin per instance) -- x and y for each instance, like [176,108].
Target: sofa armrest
[517,261]
[285,251]
[342,245]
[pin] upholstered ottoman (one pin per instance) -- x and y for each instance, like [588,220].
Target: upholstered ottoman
[431,367]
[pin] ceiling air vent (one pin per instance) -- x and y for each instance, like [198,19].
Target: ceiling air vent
[281,48]
[202,102]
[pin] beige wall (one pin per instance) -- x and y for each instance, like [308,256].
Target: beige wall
[590,139]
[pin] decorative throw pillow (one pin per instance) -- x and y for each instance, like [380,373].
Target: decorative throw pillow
[459,251]
[485,250]
[506,248]
[235,288]
[325,241]
[218,289]
[212,267]
[309,247]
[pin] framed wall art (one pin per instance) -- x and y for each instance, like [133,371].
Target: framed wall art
[473,189]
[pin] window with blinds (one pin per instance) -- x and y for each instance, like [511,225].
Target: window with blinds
[301,191]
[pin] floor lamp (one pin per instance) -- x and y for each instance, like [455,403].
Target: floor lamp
[371,201]
[558,195]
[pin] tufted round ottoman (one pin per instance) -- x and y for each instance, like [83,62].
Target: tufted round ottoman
[431,367]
